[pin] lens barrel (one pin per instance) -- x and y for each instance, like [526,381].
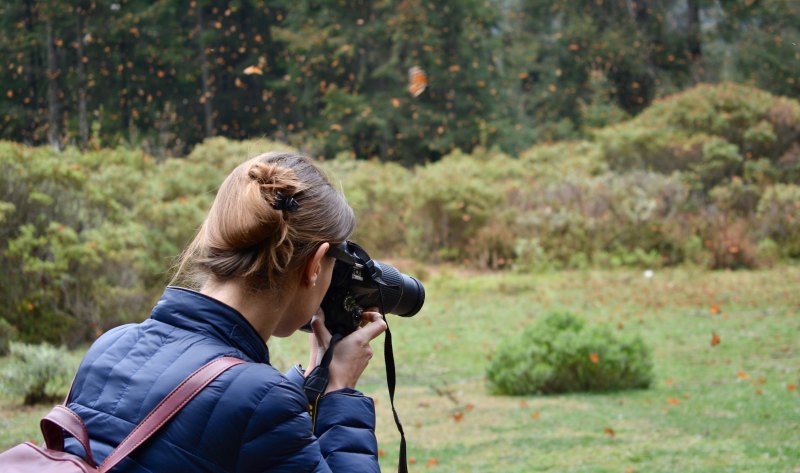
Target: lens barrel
[403,295]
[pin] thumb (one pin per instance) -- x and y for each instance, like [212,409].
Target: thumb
[320,331]
[375,327]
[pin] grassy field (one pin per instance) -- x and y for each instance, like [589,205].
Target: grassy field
[732,407]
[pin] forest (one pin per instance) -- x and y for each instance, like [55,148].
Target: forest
[331,77]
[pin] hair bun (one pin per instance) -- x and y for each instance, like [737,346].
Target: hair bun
[276,183]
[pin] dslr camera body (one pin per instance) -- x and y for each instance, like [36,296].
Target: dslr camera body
[360,282]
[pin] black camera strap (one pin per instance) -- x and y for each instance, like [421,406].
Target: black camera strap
[317,381]
[388,355]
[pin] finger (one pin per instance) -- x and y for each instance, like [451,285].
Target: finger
[373,329]
[320,331]
[371,315]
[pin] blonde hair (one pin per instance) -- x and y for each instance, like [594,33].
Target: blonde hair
[245,236]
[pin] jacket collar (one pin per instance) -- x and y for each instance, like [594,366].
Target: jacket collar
[196,312]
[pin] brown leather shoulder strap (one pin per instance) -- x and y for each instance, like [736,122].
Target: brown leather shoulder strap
[167,408]
[62,419]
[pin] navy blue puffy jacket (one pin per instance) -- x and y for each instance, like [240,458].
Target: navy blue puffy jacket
[251,418]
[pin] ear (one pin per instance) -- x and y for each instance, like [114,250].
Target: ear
[313,266]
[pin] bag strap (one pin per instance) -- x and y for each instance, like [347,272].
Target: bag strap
[62,419]
[167,408]
[56,422]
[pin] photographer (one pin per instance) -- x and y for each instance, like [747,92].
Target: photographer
[260,268]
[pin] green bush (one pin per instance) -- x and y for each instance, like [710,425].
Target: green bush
[778,217]
[631,219]
[379,195]
[62,213]
[36,373]
[563,354]
[92,234]
[8,333]
[547,163]
[455,199]
[710,130]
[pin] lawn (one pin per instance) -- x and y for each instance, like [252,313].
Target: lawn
[732,406]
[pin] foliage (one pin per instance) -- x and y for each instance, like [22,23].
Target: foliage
[450,214]
[36,373]
[7,333]
[71,237]
[93,234]
[711,131]
[349,67]
[778,217]
[332,75]
[607,218]
[377,193]
[562,354]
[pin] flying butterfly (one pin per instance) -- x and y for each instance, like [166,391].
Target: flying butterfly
[253,70]
[417,81]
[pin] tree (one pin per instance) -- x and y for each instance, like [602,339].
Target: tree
[347,74]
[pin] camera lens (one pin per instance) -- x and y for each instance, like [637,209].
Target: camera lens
[403,295]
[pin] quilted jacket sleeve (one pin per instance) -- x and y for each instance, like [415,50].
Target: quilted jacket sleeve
[346,431]
[345,427]
[279,436]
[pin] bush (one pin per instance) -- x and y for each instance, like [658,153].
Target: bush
[37,373]
[778,217]
[61,219]
[710,130]
[454,199]
[631,219]
[7,333]
[379,195]
[91,234]
[563,354]
[728,240]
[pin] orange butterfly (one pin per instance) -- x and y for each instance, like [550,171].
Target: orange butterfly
[417,81]
[253,70]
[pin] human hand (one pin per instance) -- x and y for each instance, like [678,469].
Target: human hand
[351,355]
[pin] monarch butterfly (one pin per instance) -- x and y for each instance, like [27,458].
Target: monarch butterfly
[417,81]
[252,70]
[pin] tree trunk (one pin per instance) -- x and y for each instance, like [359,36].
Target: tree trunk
[693,39]
[83,123]
[33,66]
[636,85]
[208,111]
[53,135]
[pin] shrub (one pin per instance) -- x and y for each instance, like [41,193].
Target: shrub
[711,130]
[379,195]
[778,217]
[608,217]
[452,201]
[37,373]
[562,354]
[728,239]
[7,333]
[67,229]
[550,162]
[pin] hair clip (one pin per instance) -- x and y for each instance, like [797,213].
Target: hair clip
[285,202]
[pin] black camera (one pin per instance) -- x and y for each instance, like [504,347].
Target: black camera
[360,282]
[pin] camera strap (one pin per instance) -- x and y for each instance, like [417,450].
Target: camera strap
[317,381]
[388,355]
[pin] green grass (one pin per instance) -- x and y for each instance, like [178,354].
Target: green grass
[726,408]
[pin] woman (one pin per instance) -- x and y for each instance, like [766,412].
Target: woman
[260,265]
